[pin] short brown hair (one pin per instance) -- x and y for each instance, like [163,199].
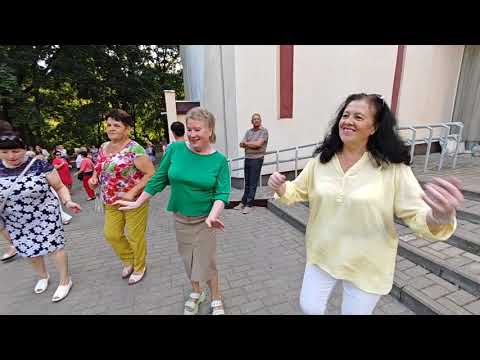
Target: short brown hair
[202,114]
[256,114]
[120,115]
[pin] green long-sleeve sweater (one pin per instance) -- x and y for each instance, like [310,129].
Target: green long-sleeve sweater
[195,180]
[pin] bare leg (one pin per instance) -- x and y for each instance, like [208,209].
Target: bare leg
[11,250]
[214,288]
[196,286]
[61,263]
[215,291]
[39,266]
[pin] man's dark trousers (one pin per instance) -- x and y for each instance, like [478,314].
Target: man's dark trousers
[252,170]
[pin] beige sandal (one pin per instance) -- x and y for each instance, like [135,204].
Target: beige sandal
[10,254]
[136,277]
[194,300]
[127,271]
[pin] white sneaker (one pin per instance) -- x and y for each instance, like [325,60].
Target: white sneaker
[62,291]
[41,285]
[239,207]
[247,209]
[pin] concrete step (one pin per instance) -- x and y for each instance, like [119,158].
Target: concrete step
[462,269]
[466,237]
[470,211]
[448,261]
[453,266]
[427,294]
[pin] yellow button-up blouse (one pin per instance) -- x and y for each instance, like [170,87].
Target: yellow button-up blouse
[350,232]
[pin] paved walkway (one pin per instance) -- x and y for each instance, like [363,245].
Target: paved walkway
[260,258]
[467,169]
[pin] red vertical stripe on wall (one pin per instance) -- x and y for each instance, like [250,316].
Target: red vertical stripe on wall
[286,81]
[397,78]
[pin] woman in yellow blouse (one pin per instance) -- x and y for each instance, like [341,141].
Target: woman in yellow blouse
[359,180]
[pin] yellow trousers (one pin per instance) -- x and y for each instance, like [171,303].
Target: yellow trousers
[130,247]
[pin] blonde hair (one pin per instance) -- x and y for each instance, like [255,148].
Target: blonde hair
[202,114]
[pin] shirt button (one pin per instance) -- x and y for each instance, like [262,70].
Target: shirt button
[339,198]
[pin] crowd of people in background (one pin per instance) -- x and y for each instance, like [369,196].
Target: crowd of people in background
[78,164]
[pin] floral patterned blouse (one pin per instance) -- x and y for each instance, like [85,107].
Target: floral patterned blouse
[117,173]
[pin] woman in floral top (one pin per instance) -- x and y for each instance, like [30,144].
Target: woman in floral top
[122,171]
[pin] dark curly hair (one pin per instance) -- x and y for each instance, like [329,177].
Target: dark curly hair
[385,145]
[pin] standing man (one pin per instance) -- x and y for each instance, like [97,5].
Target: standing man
[178,131]
[255,144]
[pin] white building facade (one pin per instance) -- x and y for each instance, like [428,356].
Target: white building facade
[298,88]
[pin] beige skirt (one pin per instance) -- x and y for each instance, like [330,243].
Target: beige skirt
[197,247]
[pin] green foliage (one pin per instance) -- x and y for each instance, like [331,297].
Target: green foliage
[59,93]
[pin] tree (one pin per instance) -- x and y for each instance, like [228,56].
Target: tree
[59,93]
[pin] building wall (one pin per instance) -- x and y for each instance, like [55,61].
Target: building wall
[256,85]
[193,62]
[213,91]
[243,79]
[429,84]
[323,77]
[220,95]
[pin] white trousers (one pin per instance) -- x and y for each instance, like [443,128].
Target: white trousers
[317,287]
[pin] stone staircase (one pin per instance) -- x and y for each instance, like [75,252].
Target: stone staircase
[430,277]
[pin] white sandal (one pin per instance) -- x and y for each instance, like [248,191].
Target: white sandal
[217,307]
[41,285]
[194,300]
[62,291]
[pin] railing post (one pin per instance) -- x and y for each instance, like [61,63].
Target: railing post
[277,155]
[230,170]
[414,139]
[429,146]
[296,161]
[459,140]
[444,149]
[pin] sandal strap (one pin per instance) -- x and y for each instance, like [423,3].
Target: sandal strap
[218,312]
[217,303]
[190,304]
[194,296]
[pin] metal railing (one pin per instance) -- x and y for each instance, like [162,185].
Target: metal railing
[296,158]
[442,139]
[412,142]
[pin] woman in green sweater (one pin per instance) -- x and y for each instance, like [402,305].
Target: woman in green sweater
[199,179]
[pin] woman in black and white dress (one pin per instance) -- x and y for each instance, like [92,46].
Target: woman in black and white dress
[31,215]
